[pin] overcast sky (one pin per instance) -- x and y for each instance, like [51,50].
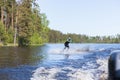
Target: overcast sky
[89,17]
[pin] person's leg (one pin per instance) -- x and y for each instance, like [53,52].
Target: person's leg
[67,47]
[64,47]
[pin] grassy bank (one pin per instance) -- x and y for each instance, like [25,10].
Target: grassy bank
[11,44]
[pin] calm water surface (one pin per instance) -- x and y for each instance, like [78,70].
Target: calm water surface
[51,62]
[18,63]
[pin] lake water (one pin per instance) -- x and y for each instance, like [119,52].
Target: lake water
[50,62]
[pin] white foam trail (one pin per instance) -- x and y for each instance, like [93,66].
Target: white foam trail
[103,64]
[74,74]
[81,75]
[103,67]
[57,50]
[74,50]
[45,74]
[69,51]
[49,74]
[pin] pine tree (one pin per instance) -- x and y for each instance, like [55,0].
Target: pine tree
[25,28]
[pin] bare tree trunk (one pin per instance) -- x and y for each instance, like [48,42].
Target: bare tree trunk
[15,36]
[2,14]
[16,25]
[12,16]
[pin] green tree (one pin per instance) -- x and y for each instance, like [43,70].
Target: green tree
[44,28]
[25,28]
[3,35]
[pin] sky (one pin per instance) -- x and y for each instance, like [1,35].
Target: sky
[89,17]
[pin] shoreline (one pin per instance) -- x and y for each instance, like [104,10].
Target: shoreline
[16,45]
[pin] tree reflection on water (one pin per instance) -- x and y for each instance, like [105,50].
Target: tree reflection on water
[16,56]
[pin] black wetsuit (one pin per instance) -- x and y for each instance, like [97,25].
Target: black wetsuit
[66,44]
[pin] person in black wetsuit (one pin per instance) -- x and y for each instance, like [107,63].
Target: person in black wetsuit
[66,44]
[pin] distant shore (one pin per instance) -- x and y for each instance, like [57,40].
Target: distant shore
[15,45]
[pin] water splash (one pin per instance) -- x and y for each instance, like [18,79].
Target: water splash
[93,65]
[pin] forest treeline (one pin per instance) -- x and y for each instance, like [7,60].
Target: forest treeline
[58,37]
[22,23]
